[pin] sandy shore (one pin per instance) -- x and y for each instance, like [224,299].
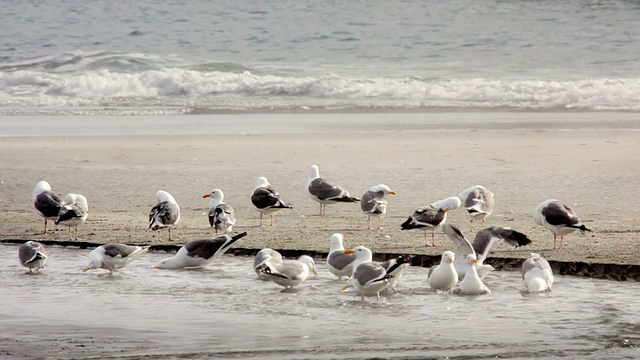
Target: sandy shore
[588,161]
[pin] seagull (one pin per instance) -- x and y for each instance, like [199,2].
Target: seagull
[31,255]
[262,257]
[482,244]
[74,213]
[537,274]
[431,216]
[47,203]
[325,193]
[267,200]
[368,278]
[444,275]
[339,263]
[199,253]
[395,268]
[113,256]
[558,218]
[165,214]
[289,273]
[478,201]
[221,215]
[374,202]
[471,284]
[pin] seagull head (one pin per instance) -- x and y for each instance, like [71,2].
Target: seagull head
[362,253]
[447,257]
[471,260]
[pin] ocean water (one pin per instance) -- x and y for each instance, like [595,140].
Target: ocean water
[181,57]
[224,311]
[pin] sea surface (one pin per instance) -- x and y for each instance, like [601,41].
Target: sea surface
[224,311]
[184,57]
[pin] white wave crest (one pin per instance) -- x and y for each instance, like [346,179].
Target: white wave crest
[184,88]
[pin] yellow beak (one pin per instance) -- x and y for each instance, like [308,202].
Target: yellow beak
[475,261]
[87,268]
[450,260]
[157,267]
[345,287]
[446,209]
[206,196]
[393,192]
[268,185]
[348,251]
[315,271]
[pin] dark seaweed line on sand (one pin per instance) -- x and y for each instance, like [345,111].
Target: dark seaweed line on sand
[618,272]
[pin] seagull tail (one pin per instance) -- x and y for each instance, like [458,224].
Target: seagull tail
[408,224]
[517,239]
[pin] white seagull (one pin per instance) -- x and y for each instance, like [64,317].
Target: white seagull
[471,284]
[32,256]
[199,253]
[558,218]
[478,201]
[165,214]
[221,215]
[482,244]
[431,216]
[263,256]
[339,263]
[326,193]
[113,256]
[374,202]
[444,275]
[267,200]
[74,213]
[289,273]
[368,278]
[46,203]
[537,274]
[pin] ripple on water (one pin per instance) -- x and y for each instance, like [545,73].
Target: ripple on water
[224,311]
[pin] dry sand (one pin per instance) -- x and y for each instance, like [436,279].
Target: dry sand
[524,162]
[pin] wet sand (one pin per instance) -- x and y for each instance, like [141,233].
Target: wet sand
[590,161]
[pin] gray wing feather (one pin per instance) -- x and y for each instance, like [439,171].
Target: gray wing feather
[122,250]
[428,215]
[321,189]
[30,251]
[463,247]
[166,211]
[339,260]
[265,254]
[369,272]
[291,269]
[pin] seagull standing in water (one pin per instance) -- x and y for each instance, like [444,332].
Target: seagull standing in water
[113,256]
[32,256]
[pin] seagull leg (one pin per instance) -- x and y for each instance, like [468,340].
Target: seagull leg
[271,224]
[554,241]
[261,219]
[561,238]
[433,237]
[369,222]
[169,234]
[70,236]
[43,231]
[380,222]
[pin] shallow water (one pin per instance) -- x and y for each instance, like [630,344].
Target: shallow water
[225,312]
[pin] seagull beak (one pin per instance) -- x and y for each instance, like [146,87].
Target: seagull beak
[206,196]
[315,271]
[87,268]
[393,192]
[157,267]
[475,261]
[446,209]
[269,185]
[348,251]
[346,287]
[451,260]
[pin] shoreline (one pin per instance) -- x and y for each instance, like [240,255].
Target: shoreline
[606,271]
[127,159]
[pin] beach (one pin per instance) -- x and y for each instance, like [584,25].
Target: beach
[587,160]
